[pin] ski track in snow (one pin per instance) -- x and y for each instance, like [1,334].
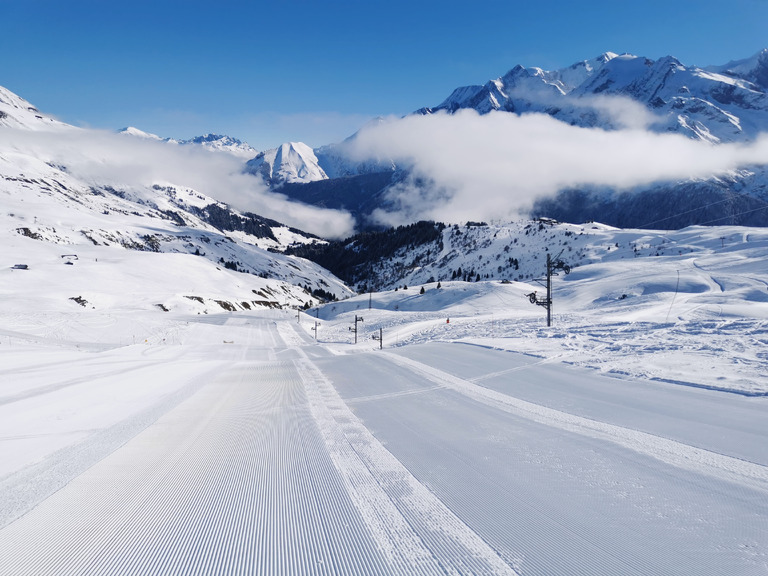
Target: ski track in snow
[263,470]
[30,485]
[668,451]
[410,523]
[262,467]
[234,481]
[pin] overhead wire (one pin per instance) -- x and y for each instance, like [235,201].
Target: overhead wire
[733,215]
[647,225]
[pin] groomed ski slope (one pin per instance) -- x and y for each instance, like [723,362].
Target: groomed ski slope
[238,445]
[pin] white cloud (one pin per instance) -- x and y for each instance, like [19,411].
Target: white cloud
[105,158]
[619,111]
[611,110]
[495,165]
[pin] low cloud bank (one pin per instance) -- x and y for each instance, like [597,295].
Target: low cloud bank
[483,167]
[463,166]
[123,161]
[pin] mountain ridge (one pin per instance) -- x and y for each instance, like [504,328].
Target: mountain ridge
[361,186]
[214,142]
[666,86]
[717,104]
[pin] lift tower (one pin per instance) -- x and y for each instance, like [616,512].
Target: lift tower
[553,264]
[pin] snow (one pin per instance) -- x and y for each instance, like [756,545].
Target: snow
[213,142]
[15,112]
[133,131]
[699,318]
[717,104]
[628,437]
[745,68]
[290,162]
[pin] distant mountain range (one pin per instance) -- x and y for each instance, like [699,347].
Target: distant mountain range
[48,205]
[717,104]
[216,142]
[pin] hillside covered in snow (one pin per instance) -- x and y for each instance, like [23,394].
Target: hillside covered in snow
[90,212]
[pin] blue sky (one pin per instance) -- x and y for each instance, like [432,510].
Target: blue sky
[269,72]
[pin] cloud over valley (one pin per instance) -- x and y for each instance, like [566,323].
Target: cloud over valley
[493,166]
[99,158]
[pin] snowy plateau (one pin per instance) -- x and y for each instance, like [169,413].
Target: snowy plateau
[180,396]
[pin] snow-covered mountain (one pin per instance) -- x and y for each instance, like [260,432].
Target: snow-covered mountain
[215,142]
[15,112]
[717,105]
[62,217]
[297,163]
[137,133]
[532,87]
[290,162]
[753,69]
[55,215]
[428,252]
[223,143]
